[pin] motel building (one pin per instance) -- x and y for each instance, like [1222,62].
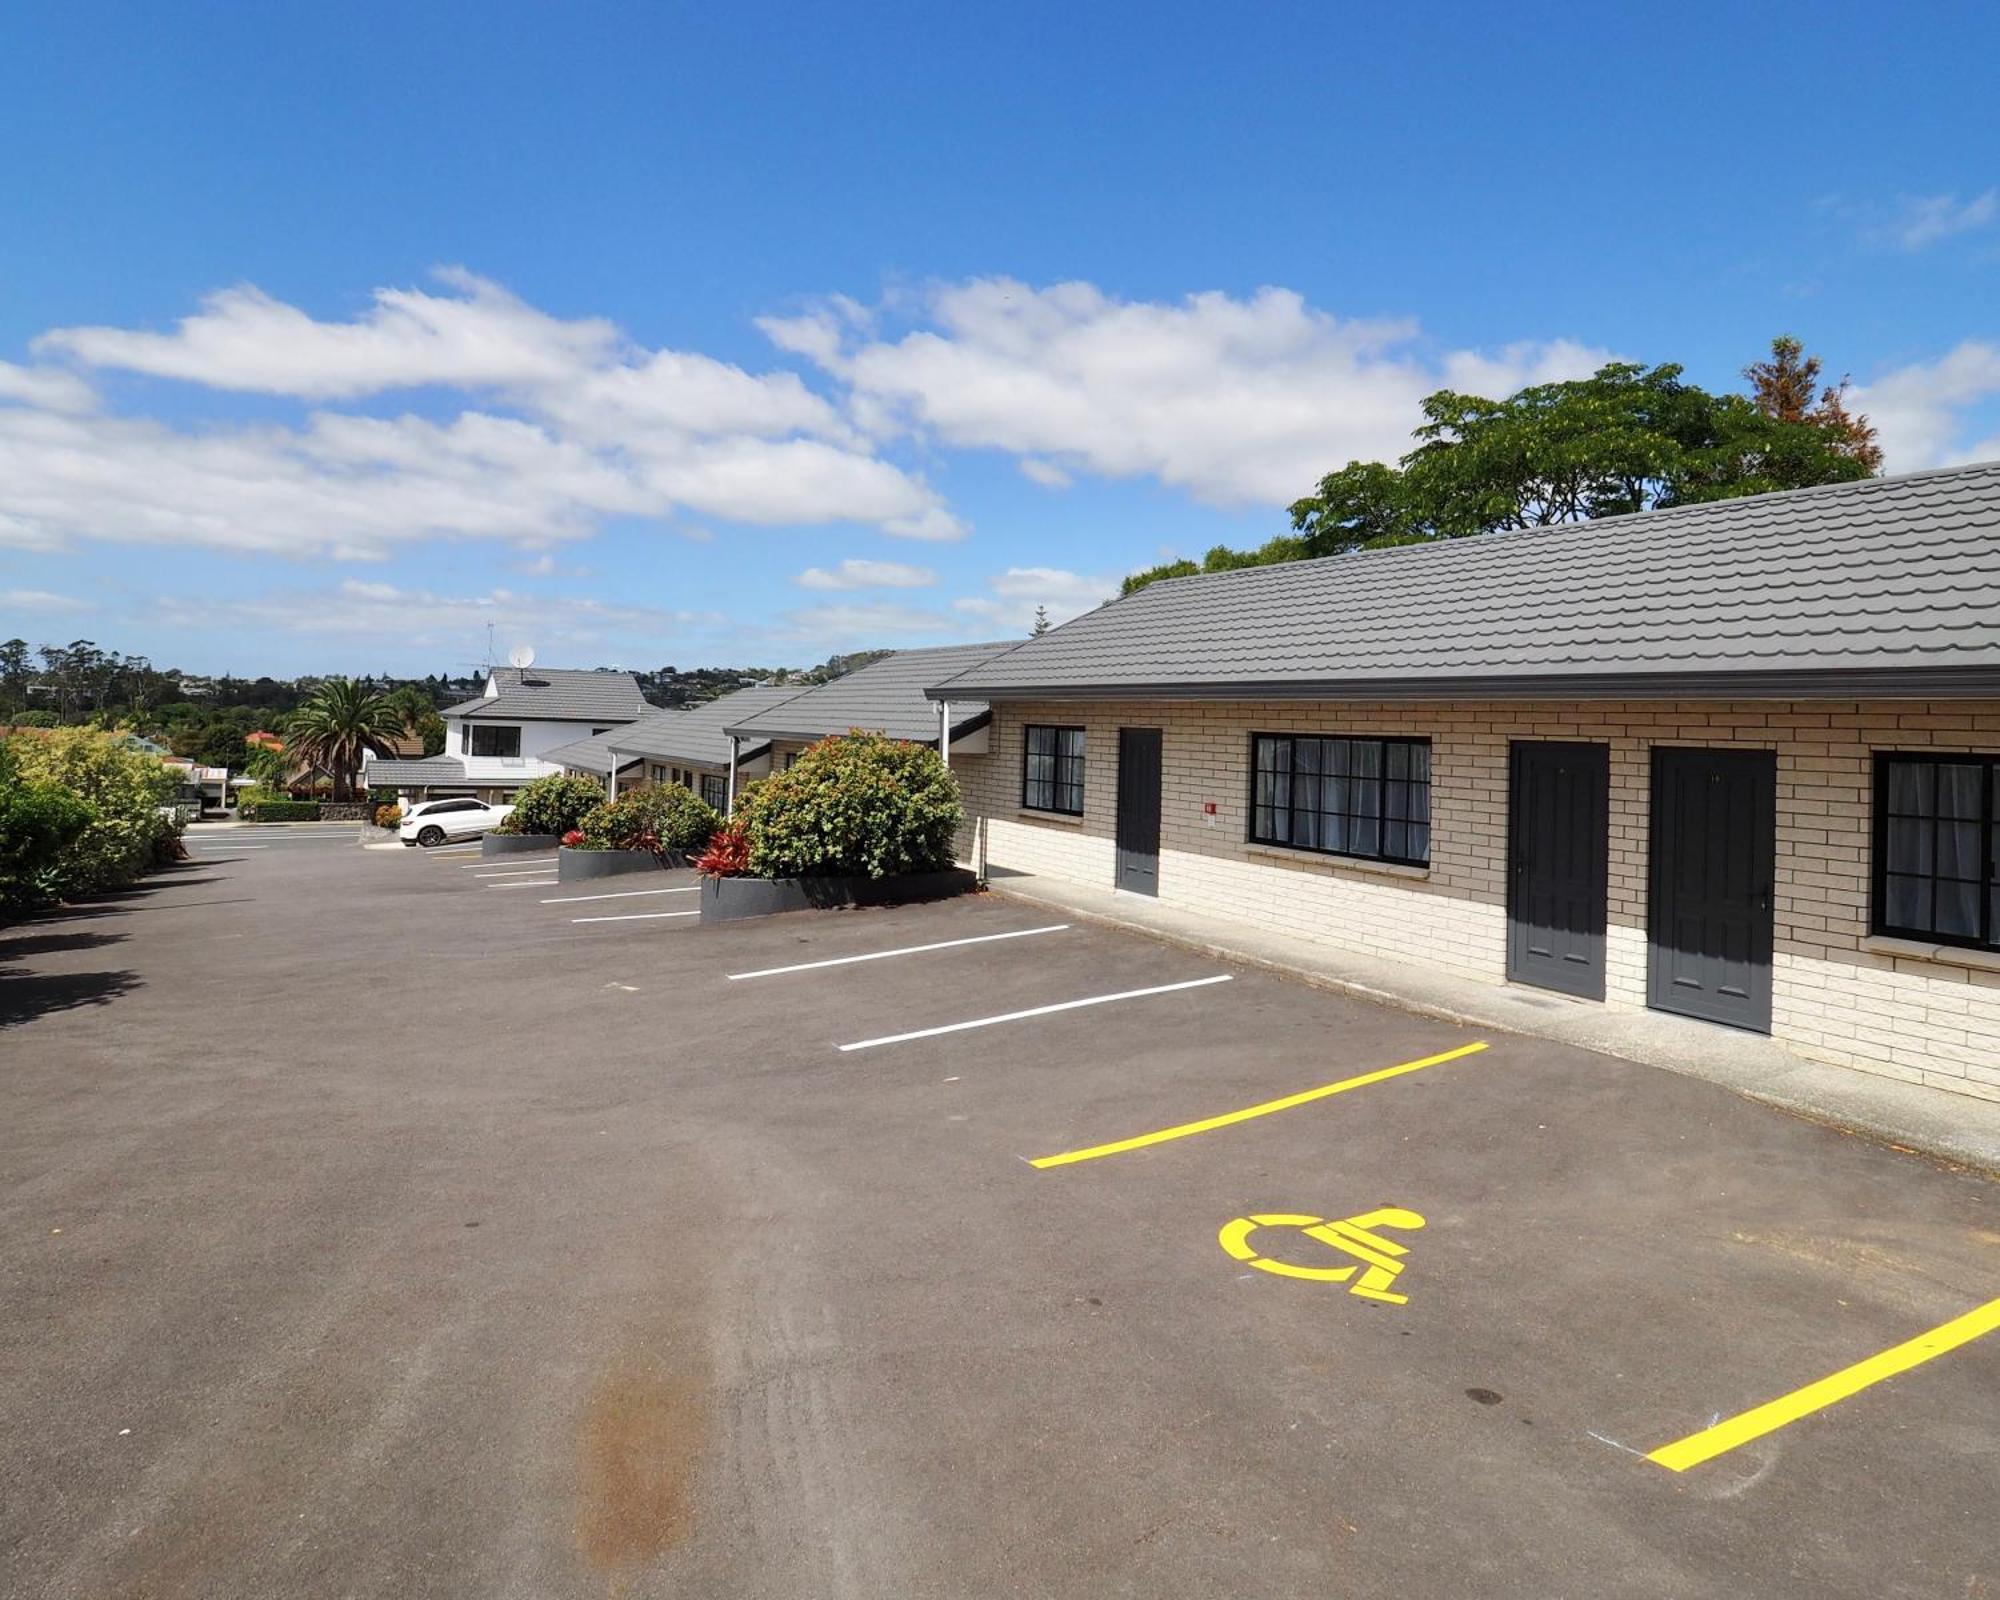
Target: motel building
[1735,762]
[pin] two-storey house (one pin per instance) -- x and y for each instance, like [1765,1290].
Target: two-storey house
[501,738]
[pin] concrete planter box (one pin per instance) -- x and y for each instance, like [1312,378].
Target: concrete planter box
[731,899]
[580,866]
[516,844]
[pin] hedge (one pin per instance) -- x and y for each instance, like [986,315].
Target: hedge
[128,795]
[554,804]
[279,810]
[660,817]
[857,805]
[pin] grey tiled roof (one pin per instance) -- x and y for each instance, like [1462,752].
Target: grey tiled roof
[422,773]
[886,696]
[594,754]
[1887,583]
[695,735]
[558,694]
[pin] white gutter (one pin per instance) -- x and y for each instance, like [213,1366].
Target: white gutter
[944,731]
[735,742]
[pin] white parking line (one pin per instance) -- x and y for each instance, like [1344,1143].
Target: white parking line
[622,894]
[639,916]
[883,955]
[513,872]
[1036,1011]
[496,864]
[196,849]
[526,883]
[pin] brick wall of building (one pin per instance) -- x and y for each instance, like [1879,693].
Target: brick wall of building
[1928,1020]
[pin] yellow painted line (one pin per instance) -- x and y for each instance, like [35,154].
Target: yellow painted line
[1209,1124]
[1774,1414]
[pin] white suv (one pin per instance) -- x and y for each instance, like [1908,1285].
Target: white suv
[434,821]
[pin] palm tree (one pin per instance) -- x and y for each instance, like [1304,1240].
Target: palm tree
[338,722]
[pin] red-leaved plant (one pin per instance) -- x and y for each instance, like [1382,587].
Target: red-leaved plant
[573,838]
[727,855]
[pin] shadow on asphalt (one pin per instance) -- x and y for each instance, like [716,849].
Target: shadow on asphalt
[25,996]
[13,947]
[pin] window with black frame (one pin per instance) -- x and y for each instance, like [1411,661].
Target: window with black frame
[715,790]
[1935,850]
[495,740]
[1052,769]
[1342,796]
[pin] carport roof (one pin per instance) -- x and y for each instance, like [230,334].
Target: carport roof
[698,735]
[418,774]
[594,754]
[886,696]
[1889,585]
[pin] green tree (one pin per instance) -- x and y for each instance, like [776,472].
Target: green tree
[340,721]
[1627,438]
[1041,622]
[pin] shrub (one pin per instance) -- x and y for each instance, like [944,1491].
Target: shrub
[857,805]
[662,817]
[388,816]
[553,805]
[573,838]
[278,810]
[39,821]
[727,855]
[133,825]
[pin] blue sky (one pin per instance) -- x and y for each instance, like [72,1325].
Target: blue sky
[648,334]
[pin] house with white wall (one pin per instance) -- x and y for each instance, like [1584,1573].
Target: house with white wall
[504,736]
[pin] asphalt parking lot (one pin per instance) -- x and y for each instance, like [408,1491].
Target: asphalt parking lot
[403,1224]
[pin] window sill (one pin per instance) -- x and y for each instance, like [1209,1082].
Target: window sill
[1949,955]
[1333,863]
[1062,819]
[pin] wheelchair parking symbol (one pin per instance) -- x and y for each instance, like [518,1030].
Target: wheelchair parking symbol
[1354,1236]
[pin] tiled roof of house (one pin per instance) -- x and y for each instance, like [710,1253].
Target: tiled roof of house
[1885,583]
[557,694]
[886,696]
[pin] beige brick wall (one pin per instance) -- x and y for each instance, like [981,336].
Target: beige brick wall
[1932,1021]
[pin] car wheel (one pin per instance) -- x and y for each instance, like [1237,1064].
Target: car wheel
[430,837]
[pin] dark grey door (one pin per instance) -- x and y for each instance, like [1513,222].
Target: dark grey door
[1139,810]
[1558,806]
[1712,845]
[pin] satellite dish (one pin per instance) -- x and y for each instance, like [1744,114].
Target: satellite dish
[522,655]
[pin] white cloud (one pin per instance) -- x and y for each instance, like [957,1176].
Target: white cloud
[1017,592]
[855,574]
[545,565]
[550,427]
[855,624]
[243,339]
[49,388]
[1923,412]
[39,600]
[1238,401]
[1924,220]
[388,614]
